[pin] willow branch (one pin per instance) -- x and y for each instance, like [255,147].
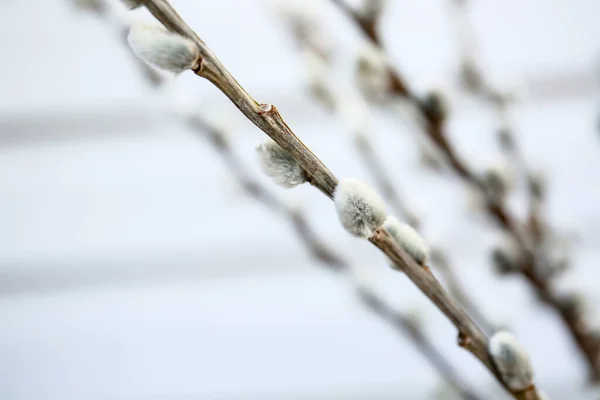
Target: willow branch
[264,116]
[329,258]
[306,234]
[267,118]
[479,86]
[585,339]
[310,41]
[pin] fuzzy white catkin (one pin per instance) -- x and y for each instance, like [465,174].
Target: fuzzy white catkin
[360,209]
[163,49]
[277,163]
[372,73]
[407,238]
[499,180]
[511,361]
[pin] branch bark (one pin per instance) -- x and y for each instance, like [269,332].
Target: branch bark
[306,234]
[585,339]
[268,119]
[309,41]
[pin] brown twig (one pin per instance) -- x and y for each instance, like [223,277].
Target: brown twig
[307,235]
[330,259]
[585,339]
[268,119]
[305,39]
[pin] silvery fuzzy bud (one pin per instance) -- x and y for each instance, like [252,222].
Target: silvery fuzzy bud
[498,181]
[470,76]
[435,104]
[537,184]
[511,361]
[508,256]
[360,209]
[372,74]
[163,49]
[407,238]
[277,163]
[505,139]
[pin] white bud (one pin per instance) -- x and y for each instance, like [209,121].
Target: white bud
[407,238]
[277,163]
[372,73]
[508,255]
[511,361]
[162,48]
[499,180]
[360,209]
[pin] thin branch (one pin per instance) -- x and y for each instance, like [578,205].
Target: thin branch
[310,42]
[268,119]
[586,340]
[329,258]
[307,234]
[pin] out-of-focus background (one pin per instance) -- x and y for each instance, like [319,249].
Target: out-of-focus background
[133,266]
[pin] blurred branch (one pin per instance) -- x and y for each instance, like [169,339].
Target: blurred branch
[306,40]
[267,118]
[540,274]
[434,128]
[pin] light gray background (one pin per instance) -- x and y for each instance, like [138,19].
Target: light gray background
[133,267]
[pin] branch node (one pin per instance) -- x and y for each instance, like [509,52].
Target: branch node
[464,340]
[265,109]
[198,66]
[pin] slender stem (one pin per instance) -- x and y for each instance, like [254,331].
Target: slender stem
[257,190]
[268,119]
[264,116]
[330,259]
[587,342]
[307,235]
[384,181]
[583,337]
